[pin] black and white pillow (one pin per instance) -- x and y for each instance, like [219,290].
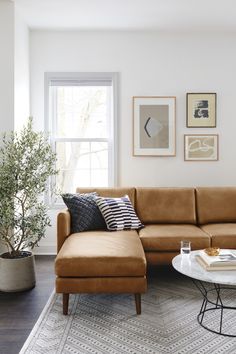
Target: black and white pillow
[85,214]
[118,213]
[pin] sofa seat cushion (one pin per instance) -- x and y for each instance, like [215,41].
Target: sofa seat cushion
[101,254]
[222,235]
[165,237]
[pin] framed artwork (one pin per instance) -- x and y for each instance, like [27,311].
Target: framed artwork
[201,110]
[201,147]
[154,126]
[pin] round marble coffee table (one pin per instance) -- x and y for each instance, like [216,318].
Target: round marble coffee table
[212,296]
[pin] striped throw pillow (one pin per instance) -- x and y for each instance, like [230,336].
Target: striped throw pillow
[118,213]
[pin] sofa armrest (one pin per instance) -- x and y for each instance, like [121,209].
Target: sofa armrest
[63,227]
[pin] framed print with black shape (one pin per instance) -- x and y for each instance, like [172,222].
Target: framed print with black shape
[203,147]
[201,110]
[154,126]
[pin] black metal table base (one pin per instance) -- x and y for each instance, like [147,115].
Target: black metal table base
[213,305]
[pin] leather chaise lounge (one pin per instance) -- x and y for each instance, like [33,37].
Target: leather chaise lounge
[100,261]
[115,262]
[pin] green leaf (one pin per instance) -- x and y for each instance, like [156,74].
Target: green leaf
[26,163]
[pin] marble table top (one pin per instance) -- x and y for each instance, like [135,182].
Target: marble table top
[187,265]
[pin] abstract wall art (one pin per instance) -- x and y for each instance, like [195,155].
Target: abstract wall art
[201,147]
[201,110]
[154,126]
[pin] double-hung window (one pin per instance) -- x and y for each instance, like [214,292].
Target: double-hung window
[81,120]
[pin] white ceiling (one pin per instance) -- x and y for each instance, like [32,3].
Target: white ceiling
[163,15]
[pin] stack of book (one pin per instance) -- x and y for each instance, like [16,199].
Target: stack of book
[226,260]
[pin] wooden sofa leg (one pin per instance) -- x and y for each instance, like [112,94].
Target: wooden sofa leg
[65,303]
[138,303]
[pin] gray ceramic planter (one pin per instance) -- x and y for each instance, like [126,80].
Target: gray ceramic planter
[17,274]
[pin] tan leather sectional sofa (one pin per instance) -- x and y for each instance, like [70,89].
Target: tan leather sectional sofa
[104,261]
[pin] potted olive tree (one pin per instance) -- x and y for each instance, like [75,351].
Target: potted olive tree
[26,163]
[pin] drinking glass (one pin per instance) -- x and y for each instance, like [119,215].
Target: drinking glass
[185,247]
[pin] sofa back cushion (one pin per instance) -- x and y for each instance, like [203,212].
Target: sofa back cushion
[166,205]
[110,192]
[216,204]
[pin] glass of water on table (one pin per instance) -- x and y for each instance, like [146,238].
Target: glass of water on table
[185,247]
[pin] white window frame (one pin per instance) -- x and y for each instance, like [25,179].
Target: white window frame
[50,127]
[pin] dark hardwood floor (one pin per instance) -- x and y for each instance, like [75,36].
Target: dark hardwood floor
[20,311]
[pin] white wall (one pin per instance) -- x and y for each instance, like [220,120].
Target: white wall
[21,72]
[150,64]
[6,66]
[14,69]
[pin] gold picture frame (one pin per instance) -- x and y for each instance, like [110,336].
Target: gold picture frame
[201,110]
[201,147]
[154,125]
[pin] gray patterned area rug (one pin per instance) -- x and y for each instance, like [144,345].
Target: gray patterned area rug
[107,324]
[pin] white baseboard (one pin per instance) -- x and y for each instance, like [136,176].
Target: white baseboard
[49,249]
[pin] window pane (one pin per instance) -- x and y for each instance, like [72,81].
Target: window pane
[99,178]
[82,111]
[99,156]
[73,155]
[81,164]
[68,180]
